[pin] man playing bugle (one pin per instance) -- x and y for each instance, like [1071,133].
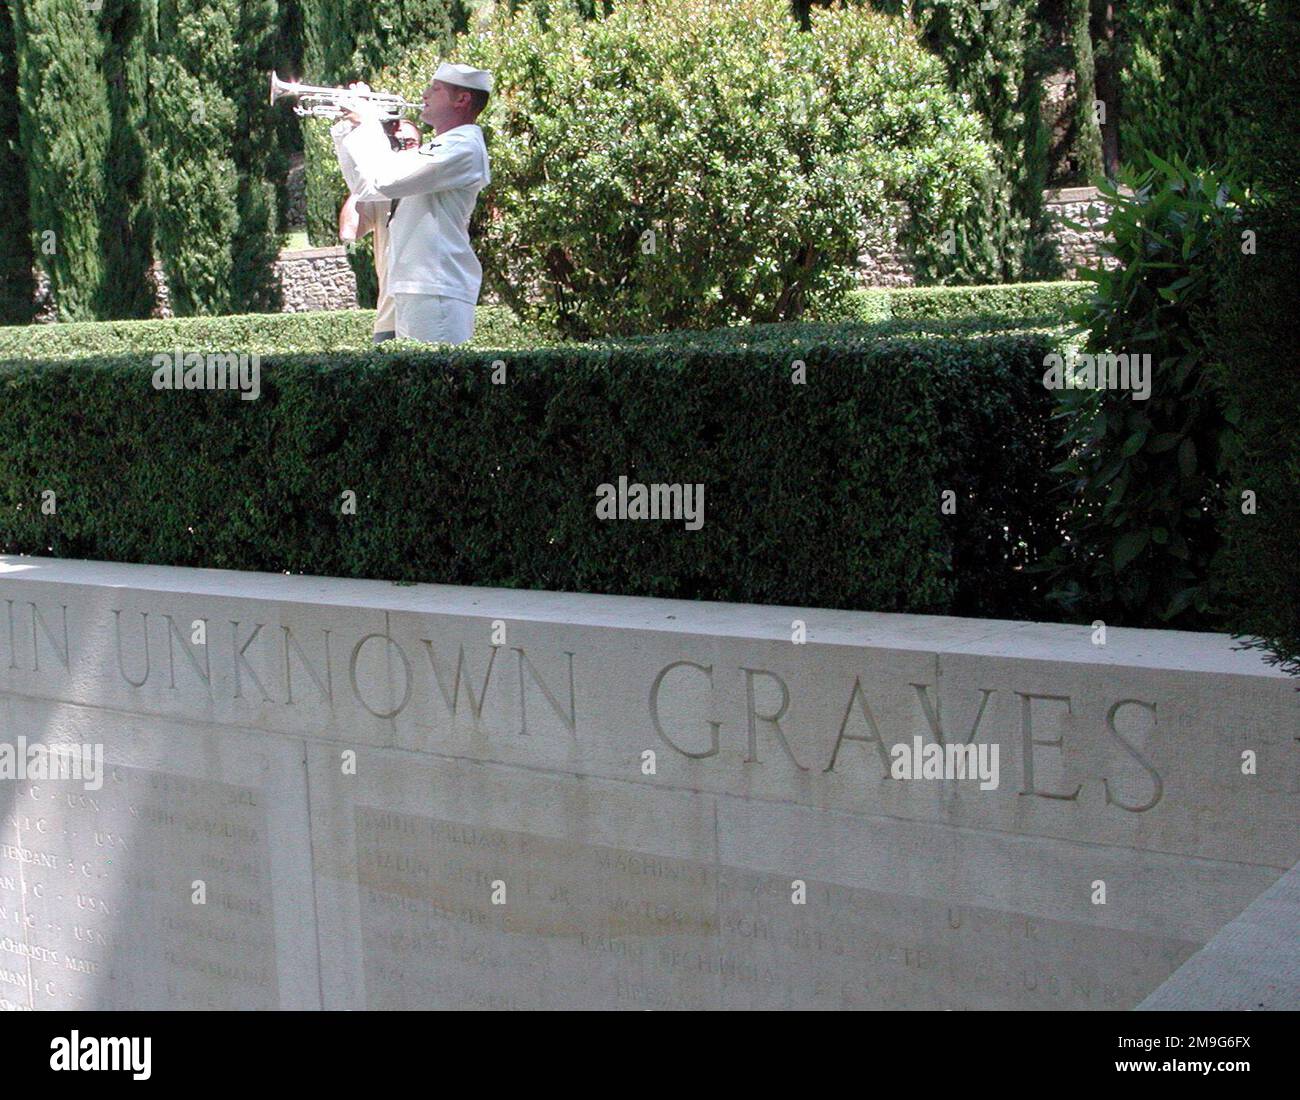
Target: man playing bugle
[433,274]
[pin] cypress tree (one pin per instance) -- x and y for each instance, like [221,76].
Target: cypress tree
[126,222]
[1180,69]
[261,159]
[289,64]
[988,55]
[17,287]
[1086,124]
[192,134]
[81,95]
[217,160]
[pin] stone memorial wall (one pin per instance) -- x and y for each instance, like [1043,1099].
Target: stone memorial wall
[355,794]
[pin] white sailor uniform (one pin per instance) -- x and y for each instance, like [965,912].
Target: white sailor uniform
[433,274]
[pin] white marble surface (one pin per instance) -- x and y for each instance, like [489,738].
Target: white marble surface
[361,760]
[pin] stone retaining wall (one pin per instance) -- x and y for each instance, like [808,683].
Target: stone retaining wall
[317,278]
[885,263]
[1077,248]
[310,279]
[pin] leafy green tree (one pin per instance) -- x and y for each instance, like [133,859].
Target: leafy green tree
[703,164]
[995,60]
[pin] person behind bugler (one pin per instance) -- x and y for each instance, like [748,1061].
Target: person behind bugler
[433,274]
[356,219]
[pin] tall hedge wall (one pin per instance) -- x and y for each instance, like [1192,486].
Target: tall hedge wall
[829,493]
[1259,331]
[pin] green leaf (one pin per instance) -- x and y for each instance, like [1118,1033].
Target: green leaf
[1181,601]
[1129,546]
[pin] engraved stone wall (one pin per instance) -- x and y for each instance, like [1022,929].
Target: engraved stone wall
[424,796]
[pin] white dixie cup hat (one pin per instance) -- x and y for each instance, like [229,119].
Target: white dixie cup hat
[464,76]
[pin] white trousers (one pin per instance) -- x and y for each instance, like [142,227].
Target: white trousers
[434,319]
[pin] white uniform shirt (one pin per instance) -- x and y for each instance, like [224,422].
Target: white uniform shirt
[428,241]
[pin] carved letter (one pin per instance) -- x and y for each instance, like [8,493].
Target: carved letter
[452,697]
[204,673]
[1159,787]
[240,659]
[327,688]
[13,652]
[356,690]
[1027,733]
[881,751]
[775,719]
[117,630]
[654,711]
[54,642]
[571,720]
[932,716]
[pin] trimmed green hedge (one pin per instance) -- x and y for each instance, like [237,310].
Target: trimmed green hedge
[494,326]
[828,493]
[1039,301]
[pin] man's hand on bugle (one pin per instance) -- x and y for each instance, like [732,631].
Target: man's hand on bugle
[357,109]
